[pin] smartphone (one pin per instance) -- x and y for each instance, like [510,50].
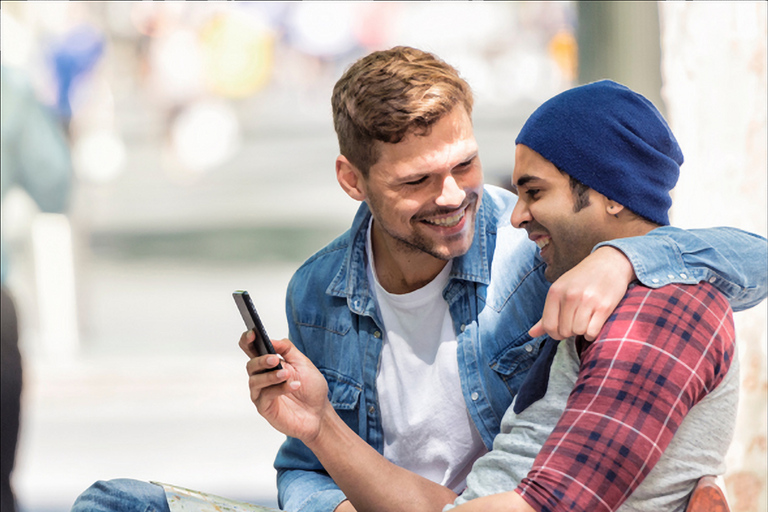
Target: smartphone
[261,345]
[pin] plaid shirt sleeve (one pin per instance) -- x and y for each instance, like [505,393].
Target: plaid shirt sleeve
[659,354]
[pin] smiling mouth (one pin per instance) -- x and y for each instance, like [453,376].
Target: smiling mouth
[447,222]
[542,242]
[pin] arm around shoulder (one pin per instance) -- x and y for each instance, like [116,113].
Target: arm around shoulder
[732,260]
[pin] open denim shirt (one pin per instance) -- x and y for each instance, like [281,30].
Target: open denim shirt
[496,293]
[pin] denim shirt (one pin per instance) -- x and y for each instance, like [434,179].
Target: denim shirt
[495,294]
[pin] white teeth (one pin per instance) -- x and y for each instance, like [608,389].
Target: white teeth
[448,221]
[542,242]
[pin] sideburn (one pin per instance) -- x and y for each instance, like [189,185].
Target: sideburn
[580,195]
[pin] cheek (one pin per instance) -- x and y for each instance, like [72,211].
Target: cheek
[473,180]
[405,207]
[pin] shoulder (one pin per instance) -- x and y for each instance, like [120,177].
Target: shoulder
[682,304]
[322,265]
[688,324]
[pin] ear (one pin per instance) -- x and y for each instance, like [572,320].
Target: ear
[350,178]
[612,207]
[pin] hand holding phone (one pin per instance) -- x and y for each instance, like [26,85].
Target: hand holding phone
[262,344]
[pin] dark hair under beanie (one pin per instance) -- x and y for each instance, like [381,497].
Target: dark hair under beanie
[613,140]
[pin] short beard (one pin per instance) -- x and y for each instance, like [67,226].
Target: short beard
[419,244]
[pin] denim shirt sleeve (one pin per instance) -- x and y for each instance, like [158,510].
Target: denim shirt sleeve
[732,260]
[307,491]
[302,485]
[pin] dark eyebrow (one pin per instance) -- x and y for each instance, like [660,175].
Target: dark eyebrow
[524,180]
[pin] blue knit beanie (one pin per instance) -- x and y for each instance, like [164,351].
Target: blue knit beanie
[613,140]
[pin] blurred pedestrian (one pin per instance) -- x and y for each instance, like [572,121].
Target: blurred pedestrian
[35,156]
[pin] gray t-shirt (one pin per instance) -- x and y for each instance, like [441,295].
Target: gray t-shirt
[697,449]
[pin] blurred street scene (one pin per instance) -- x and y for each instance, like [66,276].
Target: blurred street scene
[202,148]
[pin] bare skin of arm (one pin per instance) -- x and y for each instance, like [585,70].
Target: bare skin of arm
[503,502]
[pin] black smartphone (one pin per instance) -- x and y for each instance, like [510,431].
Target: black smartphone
[262,345]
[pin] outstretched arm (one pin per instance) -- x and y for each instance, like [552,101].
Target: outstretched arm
[294,401]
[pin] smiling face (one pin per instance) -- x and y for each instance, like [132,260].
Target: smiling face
[546,209]
[424,193]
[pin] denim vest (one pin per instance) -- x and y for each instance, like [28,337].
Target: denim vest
[495,294]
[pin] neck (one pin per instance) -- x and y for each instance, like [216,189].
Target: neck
[629,225]
[402,271]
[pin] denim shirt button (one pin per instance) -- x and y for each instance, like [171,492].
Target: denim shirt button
[377,334]
[670,276]
[463,328]
[684,276]
[529,348]
[371,409]
[712,279]
[475,396]
[654,280]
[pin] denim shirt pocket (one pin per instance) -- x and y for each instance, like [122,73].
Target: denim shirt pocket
[513,361]
[344,395]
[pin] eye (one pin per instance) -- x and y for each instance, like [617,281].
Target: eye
[465,165]
[532,193]
[416,181]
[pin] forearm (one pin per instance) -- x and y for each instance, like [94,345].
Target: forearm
[371,482]
[732,260]
[503,502]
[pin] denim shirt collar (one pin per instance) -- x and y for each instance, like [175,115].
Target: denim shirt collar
[351,281]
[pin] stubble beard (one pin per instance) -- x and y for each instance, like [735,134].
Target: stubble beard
[416,243]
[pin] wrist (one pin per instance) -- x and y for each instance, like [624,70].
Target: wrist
[617,260]
[327,427]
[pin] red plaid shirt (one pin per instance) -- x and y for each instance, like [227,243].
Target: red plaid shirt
[659,354]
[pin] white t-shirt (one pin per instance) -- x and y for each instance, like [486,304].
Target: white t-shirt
[427,428]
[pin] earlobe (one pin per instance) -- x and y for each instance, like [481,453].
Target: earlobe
[613,208]
[350,178]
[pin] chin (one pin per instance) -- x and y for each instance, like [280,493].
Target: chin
[552,274]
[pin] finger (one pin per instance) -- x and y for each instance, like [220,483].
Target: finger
[263,396]
[246,343]
[581,320]
[550,317]
[596,324]
[568,308]
[261,364]
[537,330]
[258,383]
[289,352]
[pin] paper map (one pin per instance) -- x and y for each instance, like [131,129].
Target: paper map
[187,500]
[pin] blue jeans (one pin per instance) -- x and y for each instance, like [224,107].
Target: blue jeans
[122,495]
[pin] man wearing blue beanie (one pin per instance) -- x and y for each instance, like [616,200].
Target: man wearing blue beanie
[635,419]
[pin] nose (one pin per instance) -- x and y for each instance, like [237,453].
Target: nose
[521,215]
[451,195]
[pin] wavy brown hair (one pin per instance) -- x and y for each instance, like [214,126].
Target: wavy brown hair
[388,94]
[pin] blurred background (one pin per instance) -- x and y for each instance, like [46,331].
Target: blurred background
[159,155]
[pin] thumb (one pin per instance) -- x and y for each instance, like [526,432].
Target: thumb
[288,351]
[537,330]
